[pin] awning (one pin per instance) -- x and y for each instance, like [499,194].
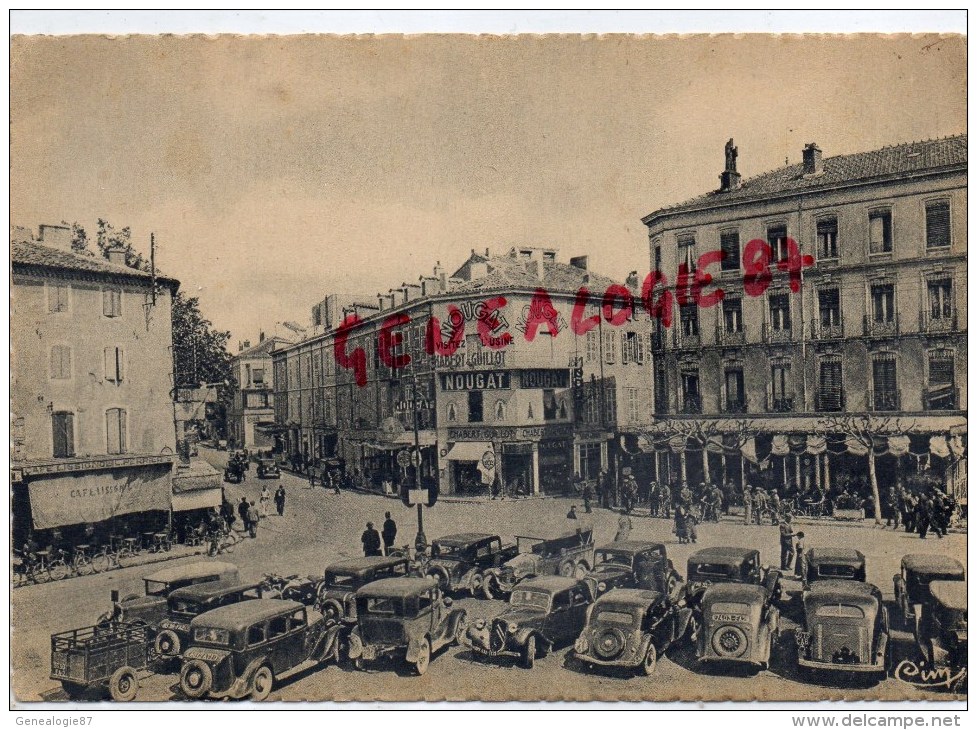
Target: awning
[270,427]
[198,499]
[468,450]
[196,482]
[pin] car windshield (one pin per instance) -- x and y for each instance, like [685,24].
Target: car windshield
[836,571]
[340,582]
[613,557]
[206,635]
[615,616]
[840,610]
[183,606]
[711,570]
[447,551]
[383,606]
[156,588]
[530,598]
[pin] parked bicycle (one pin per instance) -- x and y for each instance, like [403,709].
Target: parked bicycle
[117,555]
[221,541]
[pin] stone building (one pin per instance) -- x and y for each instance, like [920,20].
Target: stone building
[251,415]
[859,363]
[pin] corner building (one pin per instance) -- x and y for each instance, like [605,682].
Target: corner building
[770,386]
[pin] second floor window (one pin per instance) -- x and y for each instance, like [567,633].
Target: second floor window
[729,244]
[634,405]
[733,315]
[780,386]
[690,390]
[258,376]
[780,312]
[57,297]
[735,398]
[632,348]
[474,406]
[63,425]
[114,364]
[941,394]
[60,362]
[883,302]
[938,224]
[884,384]
[830,385]
[686,252]
[941,298]
[115,430]
[829,307]
[661,386]
[610,351]
[689,315]
[112,302]
[777,238]
[828,238]
[880,231]
[593,346]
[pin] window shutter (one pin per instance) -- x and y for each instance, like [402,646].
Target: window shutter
[120,359]
[729,243]
[122,432]
[937,225]
[941,370]
[109,359]
[112,430]
[55,362]
[625,349]
[107,302]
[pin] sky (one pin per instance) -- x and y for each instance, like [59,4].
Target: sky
[277,170]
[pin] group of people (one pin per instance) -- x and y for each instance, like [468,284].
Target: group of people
[379,543]
[759,504]
[920,513]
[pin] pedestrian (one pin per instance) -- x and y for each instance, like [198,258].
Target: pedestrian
[252,519]
[264,500]
[800,564]
[685,495]
[242,511]
[892,508]
[312,478]
[336,480]
[572,514]
[786,543]
[588,495]
[280,500]
[716,503]
[389,533]
[681,519]
[604,480]
[924,516]
[371,541]
[623,527]
[775,507]
[747,505]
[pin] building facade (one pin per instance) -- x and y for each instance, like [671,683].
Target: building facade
[826,360]
[251,416]
[92,420]
[520,402]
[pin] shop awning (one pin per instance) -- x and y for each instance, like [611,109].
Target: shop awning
[468,450]
[270,427]
[197,499]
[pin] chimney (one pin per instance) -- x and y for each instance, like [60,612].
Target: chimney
[730,179]
[579,262]
[117,255]
[261,337]
[382,301]
[486,252]
[478,270]
[535,267]
[240,346]
[812,159]
[632,281]
[247,344]
[55,236]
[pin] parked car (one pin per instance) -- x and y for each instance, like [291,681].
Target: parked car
[633,564]
[149,609]
[834,564]
[718,565]
[404,616]
[846,628]
[337,591]
[243,649]
[916,572]
[543,613]
[458,562]
[941,633]
[267,469]
[630,627]
[738,623]
[570,554]
[185,603]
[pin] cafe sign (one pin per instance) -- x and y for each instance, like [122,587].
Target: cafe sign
[488,380]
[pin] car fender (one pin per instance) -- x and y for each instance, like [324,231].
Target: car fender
[682,618]
[414,647]
[522,636]
[328,645]
[471,579]
[241,685]
[355,644]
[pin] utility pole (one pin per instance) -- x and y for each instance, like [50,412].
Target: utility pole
[420,541]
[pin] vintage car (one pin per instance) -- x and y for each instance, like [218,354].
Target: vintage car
[716,565]
[337,591]
[941,632]
[630,627]
[912,582]
[846,628]
[243,649]
[458,562]
[737,622]
[150,608]
[185,603]
[570,554]
[267,469]
[633,564]
[834,564]
[543,613]
[404,616]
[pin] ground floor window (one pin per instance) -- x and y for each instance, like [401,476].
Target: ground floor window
[589,455]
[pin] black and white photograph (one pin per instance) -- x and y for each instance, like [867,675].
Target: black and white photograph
[410,368]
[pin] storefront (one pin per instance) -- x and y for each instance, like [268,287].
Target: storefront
[556,467]
[196,491]
[473,466]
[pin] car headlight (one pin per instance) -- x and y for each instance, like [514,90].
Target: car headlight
[512,627]
[602,586]
[480,624]
[580,645]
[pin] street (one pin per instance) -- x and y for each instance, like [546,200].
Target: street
[320,527]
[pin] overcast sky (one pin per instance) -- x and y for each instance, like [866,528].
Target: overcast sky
[274,171]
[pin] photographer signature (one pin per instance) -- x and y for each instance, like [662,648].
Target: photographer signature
[920,675]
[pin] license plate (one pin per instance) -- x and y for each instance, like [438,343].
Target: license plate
[59,665]
[730,617]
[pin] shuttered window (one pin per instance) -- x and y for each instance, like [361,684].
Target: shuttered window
[112,302]
[57,297]
[938,224]
[729,243]
[830,385]
[114,358]
[63,425]
[941,299]
[60,362]
[884,382]
[880,231]
[941,394]
[115,430]
[610,349]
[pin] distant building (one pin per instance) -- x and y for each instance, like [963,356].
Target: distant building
[251,416]
[92,430]
[877,328]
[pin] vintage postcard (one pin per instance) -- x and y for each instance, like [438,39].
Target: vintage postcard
[460,367]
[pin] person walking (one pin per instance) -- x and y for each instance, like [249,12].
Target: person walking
[623,527]
[242,511]
[252,519]
[775,507]
[924,516]
[280,500]
[800,564]
[588,496]
[747,505]
[389,533]
[787,536]
[264,500]
[371,541]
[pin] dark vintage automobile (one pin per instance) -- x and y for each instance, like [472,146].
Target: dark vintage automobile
[633,564]
[737,623]
[337,591]
[237,465]
[941,633]
[185,603]
[543,613]
[267,468]
[459,562]
[570,554]
[630,627]
[846,628]
[243,649]
[834,564]
[150,608]
[912,582]
[404,616]
[717,565]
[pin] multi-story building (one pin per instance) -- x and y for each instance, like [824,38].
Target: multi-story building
[524,410]
[251,416]
[92,434]
[865,348]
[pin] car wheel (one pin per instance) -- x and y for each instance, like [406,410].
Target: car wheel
[123,685]
[167,644]
[566,568]
[359,664]
[196,679]
[650,661]
[332,611]
[489,587]
[261,683]
[423,658]
[529,653]
[580,570]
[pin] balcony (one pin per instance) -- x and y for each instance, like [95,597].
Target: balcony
[690,404]
[885,400]
[776,335]
[829,401]
[945,398]
[734,405]
[728,338]
[821,331]
[935,325]
[886,328]
[782,404]
[684,341]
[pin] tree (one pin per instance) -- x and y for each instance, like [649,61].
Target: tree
[79,239]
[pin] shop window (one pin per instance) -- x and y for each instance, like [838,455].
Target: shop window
[115,430]
[880,231]
[63,425]
[938,224]
[475,406]
[729,244]
[589,460]
[827,229]
[60,362]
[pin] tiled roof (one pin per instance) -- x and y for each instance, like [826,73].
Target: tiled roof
[30,253]
[508,274]
[262,348]
[898,159]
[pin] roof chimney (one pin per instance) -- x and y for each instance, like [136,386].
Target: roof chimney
[730,179]
[261,337]
[116,255]
[579,262]
[55,236]
[812,159]
[632,281]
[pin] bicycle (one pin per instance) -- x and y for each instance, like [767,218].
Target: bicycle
[109,557]
[30,569]
[219,542]
[81,561]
